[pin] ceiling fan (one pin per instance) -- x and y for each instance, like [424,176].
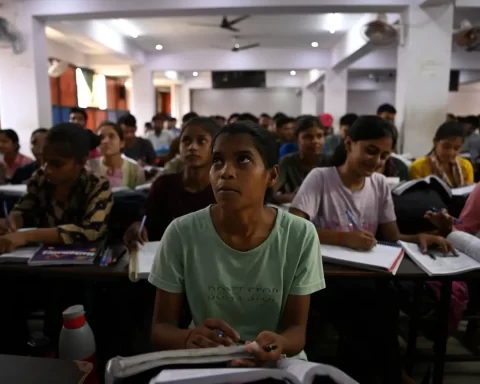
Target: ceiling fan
[225,23]
[237,47]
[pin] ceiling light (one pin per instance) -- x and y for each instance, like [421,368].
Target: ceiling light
[195,74]
[237,46]
[314,44]
[172,75]
[127,27]
[334,21]
[159,47]
[293,73]
[370,76]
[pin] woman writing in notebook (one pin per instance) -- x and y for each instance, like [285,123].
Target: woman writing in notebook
[352,185]
[64,202]
[175,195]
[443,160]
[245,269]
[119,170]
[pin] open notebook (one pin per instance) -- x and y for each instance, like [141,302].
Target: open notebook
[382,257]
[141,261]
[435,182]
[434,263]
[287,370]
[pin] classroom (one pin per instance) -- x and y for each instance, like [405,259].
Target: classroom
[213,192]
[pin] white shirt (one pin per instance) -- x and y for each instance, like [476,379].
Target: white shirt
[163,139]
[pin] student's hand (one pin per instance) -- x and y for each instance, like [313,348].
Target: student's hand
[132,236]
[11,241]
[442,220]
[267,348]
[426,241]
[5,228]
[359,240]
[212,333]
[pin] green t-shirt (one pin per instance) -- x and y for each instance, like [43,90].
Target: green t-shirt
[248,290]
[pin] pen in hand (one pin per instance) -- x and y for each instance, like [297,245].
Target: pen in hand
[7,218]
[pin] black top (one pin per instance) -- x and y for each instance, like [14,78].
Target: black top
[24,173]
[142,150]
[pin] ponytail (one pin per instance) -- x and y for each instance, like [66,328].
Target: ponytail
[339,155]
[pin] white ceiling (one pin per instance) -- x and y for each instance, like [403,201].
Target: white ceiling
[178,34]
[80,43]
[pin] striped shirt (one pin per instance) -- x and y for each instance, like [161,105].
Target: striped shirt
[82,219]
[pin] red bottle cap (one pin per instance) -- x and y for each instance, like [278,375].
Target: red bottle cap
[74,317]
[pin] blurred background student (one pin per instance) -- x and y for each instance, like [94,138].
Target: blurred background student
[37,141]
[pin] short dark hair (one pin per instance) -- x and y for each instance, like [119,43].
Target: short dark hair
[364,128]
[348,119]
[284,121]
[207,124]
[188,116]
[306,122]
[448,130]
[233,116]
[278,115]
[39,130]
[12,136]
[263,141]
[82,111]
[128,120]
[160,116]
[74,141]
[388,108]
[116,127]
[265,115]
[247,117]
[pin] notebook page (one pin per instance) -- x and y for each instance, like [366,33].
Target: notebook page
[466,243]
[306,371]
[20,254]
[146,254]
[462,191]
[441,265]
[381,256]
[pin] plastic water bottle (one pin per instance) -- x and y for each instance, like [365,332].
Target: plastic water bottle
[76,338]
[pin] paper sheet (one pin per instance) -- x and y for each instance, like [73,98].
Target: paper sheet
[463,191]
[141,261]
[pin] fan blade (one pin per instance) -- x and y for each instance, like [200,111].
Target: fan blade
[248,46]
[229,28]
[238,19]
[204,25]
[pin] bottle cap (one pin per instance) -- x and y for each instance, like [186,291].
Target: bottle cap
[74,317]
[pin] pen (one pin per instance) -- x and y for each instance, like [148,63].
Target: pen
[142,225]
[455,220]
[5,211]
[432,256]
[352,220]
[104,260]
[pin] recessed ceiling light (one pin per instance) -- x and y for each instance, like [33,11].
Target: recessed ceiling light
[293,73]
[159,47]
[127,27]
[314,44]
[195,74]
[370,76]
[237,46]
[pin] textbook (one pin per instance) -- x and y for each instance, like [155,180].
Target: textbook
[291,370]
[436,183]
[141,261]
[434,263]
[386,258]
[78,254]
[287,371]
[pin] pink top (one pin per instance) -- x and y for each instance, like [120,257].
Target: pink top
[115,178]
[19,161]
[470,216]
[94,154]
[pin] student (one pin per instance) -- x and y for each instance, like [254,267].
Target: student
[332,141]
[24,173]
[296,166]
[188,116]
[278,256]
[367,316]
[232,118]
[10,150]
[78,116]
[326,120]
[175,195]
[285,130]
[387,112]
[443,160]
[160,138]
[66,203]
[136,148]
[265,120]
[119,170]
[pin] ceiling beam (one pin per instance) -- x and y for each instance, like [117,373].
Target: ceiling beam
[102,34]
[251,59]
[101,9]
[467,4]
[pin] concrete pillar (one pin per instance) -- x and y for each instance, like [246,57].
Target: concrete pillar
[25,100]
[335,94]
[176,97]
[142,99]
[423,72]
[309,101]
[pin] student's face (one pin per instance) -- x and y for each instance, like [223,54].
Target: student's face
[390,117]
[265,122]
[469,128]
[286,132]
[77,118]
[110,142]
[59,170]
[129,133]
[195,147]
[367,156]
[310,141]
[6,145]
[37,142]
[158,125]
[238,175]
[343,130]
[447,149]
